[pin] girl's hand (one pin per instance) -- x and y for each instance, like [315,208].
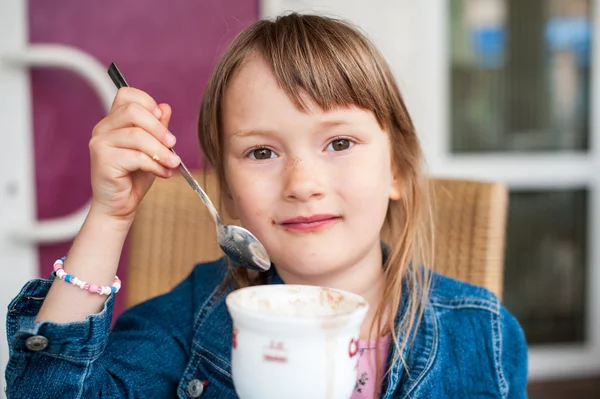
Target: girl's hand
[128,148]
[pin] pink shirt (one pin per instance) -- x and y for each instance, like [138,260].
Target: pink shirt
[366,386]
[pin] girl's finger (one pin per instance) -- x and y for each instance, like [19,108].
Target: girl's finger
[166,114]
[135,138]
[131,161]
[133,114]
[126,95]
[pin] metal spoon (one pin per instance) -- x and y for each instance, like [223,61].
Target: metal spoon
[238,243]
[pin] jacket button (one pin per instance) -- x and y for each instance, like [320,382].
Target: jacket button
[36,343]
[195,388]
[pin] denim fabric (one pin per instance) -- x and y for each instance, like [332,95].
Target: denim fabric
[467,346]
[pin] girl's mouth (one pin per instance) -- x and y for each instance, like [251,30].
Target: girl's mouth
[309,223]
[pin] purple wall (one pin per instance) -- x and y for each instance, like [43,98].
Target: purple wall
[165,48]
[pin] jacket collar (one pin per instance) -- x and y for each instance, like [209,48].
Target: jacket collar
[418,355]
[214,327]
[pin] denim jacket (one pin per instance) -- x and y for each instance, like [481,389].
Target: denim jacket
[178,345]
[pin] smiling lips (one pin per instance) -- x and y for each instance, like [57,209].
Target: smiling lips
[309,223]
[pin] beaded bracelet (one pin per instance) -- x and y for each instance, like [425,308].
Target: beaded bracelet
[93,288]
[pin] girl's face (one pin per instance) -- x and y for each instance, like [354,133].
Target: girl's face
[313,187]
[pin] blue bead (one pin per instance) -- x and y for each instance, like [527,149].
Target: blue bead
[113,290]
[68,278]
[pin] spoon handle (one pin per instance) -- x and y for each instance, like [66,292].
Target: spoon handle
[119,81]
[198,189]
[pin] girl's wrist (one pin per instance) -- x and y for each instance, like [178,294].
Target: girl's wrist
[117,224]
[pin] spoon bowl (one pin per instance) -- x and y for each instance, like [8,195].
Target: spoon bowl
[243,247]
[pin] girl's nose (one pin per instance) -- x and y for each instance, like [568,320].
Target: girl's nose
[303,180]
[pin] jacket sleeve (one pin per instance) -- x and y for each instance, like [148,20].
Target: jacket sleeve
[143,357]
[512,367]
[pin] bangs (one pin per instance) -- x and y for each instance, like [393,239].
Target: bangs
[329,63]
[315,60]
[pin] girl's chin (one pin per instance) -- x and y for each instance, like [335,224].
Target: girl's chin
[298,272]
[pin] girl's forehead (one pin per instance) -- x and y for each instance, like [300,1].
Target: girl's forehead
[253,77]
[254,90]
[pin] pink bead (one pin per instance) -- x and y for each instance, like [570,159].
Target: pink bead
[93,288]
[57,266]
[86,287]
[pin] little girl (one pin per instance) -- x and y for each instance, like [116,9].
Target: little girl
[317,156]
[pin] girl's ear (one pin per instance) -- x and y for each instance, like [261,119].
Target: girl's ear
[398,183]
[396,188]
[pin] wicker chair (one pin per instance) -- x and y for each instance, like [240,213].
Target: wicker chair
[172,231]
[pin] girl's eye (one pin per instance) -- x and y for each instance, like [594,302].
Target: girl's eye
[339,145]
[262,153]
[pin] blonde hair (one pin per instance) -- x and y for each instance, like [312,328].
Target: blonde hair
[336,66]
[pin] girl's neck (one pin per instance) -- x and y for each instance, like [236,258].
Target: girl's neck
[365,277]
[373,295]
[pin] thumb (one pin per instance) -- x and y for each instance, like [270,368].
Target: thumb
[166,114]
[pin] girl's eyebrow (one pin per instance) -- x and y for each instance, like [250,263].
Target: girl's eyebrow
[331,124]
[324,125]
[253,132]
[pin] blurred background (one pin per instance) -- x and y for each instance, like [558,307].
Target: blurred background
[499,90]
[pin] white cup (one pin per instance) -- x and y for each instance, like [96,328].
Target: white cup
[295,341]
